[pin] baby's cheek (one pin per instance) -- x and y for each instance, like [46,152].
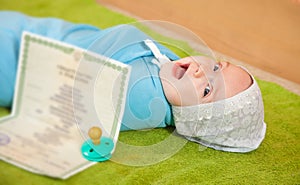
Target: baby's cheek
[171,93]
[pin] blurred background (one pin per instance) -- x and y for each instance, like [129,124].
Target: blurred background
[263,33]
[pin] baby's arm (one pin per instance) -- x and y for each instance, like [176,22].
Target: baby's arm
[8,66]
[12,24]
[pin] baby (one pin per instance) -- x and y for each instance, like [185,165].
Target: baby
[216,104]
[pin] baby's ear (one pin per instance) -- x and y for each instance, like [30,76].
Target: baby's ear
[247,71]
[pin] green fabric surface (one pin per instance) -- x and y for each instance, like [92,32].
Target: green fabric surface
[277,161]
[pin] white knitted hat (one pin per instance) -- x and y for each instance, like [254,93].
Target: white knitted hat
[235,124]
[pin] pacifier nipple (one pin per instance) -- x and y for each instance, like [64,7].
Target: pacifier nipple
[95,135]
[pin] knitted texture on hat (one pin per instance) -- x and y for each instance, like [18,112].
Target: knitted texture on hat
[234,124]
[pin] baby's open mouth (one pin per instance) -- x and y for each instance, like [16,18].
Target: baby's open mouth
[179,70]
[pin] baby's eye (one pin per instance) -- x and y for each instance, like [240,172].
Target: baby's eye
[206,90]
[216,67]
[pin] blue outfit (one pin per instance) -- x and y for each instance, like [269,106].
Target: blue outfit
[146,105]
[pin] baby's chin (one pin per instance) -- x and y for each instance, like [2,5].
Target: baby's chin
[166,70]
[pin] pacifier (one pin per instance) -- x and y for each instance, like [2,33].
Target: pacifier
[97,148]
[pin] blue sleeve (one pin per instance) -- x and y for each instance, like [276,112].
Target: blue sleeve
[8,66]
[12,24]
[146,105]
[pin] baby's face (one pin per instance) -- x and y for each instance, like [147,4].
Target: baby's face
[196,80]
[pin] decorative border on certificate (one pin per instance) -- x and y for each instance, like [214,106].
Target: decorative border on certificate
[27,39]
[122,89]
[87,57]
[41,116]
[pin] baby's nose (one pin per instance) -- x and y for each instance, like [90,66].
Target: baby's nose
[199,73]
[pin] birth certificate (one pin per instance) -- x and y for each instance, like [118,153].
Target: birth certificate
[61,91]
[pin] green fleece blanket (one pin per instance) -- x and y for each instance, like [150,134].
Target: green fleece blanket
[277,161]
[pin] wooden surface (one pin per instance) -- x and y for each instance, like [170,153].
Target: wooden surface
[263,33]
